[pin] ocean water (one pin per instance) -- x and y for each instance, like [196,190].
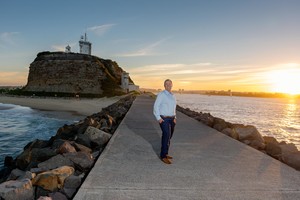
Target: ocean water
[277,117]
[20,125]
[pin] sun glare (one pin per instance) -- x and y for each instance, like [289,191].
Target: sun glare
[286,80]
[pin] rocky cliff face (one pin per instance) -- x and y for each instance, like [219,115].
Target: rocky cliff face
[73,73]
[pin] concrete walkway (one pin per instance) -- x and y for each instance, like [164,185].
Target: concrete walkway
[206,164]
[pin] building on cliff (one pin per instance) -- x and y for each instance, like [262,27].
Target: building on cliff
[74,73]
[77,73]
[126,84]
[85,47]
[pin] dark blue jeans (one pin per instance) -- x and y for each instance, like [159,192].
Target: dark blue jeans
[167,127]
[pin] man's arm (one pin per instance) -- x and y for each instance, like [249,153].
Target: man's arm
[156,111]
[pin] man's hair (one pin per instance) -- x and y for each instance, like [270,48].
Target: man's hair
[166,81]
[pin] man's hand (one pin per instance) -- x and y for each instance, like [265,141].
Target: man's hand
[160,121]
[174,121]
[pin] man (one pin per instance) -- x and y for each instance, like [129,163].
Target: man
[165,113]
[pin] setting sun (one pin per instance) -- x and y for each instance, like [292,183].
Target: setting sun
[286,80]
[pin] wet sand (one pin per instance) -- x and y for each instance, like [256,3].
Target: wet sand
[83,107]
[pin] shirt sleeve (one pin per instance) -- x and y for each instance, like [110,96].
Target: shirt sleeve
[157,103]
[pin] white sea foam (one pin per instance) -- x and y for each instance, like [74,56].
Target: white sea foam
[21,125]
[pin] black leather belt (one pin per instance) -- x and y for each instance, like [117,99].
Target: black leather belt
[167,116]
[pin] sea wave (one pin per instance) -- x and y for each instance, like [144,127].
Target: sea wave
[20,125]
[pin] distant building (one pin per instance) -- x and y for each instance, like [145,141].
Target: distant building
[85,46]
[128,87]
[68,49]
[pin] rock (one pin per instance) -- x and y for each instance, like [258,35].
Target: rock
[292,159]
[269,139]
[67,132]
[80,147]
[72,182]
[273,150]
[288,148]
[40,155]
[58,196]
[66,147]
[257,145]
[4,174]
[19,174]
[31,157]
[36,144]
[97,136]
[17,190]
[92,122]
[69,192]
[55,162]
[103,125]
[54,179]
[9,162]
[83,140]
[23,160]
[248,133]
[219,124]
[41,192]
[231,133]
[44,198]
[206,119]
[82,160]
[95,154]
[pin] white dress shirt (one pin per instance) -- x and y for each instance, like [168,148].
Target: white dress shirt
[165,104]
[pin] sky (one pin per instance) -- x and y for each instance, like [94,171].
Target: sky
[238,45]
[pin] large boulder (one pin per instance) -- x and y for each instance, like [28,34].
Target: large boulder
[292,159]
[82,161]
[54,179]
[80,147]
[71,185]
[97,136]
[55,162]
[17,190]
[66,147]
[20,175]
[273,149]
[231,133]
[288,148]
[248,132]
[219,124]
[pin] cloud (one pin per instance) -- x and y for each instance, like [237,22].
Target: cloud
[174,69]
[145,51]
[8,37]
[58,47]
[62,47]
[101,30]
[13,78]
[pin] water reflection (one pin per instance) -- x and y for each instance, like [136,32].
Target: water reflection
[290,122]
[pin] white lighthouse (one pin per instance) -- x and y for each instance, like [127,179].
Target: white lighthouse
[85,46]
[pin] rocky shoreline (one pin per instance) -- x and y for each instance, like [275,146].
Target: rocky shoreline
[248,134]
[55,169]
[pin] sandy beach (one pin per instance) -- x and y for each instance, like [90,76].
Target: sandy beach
[84,107]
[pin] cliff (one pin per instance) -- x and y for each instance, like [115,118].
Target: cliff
[59,72]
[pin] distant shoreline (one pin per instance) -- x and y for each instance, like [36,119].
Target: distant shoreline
[230,93]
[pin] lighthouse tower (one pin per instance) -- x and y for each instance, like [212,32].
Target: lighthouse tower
[85,46]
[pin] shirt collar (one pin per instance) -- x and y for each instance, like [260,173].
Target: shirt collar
[167,92]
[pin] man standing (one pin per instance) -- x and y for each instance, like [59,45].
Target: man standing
[165,113]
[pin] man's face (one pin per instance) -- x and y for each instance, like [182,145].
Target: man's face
[168,86]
